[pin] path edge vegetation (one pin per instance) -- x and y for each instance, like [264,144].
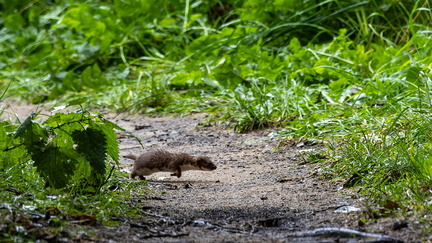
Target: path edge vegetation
[354,75]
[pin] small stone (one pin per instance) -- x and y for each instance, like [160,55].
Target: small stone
[399,224]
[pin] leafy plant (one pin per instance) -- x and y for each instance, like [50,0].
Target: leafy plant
[55,176]
[66,149]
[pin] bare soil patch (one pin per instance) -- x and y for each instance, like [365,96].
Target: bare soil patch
[257,193]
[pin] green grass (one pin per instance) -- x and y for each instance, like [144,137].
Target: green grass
[390,159]
[356,73]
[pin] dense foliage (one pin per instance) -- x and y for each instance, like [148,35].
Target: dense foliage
[57,171]
[353,70]
[65,148]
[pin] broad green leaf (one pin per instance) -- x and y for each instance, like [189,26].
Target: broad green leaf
[112,148]
[60,119]
[167,22]
[91,144]
[295,44]
[14,21]
[54,166]
[34,135]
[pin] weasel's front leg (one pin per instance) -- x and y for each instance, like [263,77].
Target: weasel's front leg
[177,173]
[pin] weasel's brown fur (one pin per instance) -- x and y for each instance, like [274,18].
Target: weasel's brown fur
[163,161]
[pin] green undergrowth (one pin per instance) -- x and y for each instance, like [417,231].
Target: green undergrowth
[355,73]
[389,160]
[59,175]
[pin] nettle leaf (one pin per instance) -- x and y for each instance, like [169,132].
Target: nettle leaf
[108,128]
[33,134]
[75,16]
[10,151]
[91,144]
[167,22]
[63,139]
[62,126]
[74,145]
[56,167]
[112,148]
[61,119]
[12,157]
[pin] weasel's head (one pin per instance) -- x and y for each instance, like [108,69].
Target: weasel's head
[204,163]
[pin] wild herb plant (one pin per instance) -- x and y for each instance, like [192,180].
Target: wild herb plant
[58,173]
[61,150]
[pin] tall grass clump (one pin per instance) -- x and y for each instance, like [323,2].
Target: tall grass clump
[391,163]
[387,154]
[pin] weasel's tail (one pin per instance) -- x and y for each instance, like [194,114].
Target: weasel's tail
[131,156]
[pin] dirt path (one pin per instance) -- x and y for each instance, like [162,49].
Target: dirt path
[255,195]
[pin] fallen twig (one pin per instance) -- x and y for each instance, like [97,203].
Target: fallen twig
[342,232]
[163,234]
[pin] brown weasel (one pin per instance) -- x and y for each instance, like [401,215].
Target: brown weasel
[163,161]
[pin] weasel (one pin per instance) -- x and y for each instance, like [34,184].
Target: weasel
[163,161]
